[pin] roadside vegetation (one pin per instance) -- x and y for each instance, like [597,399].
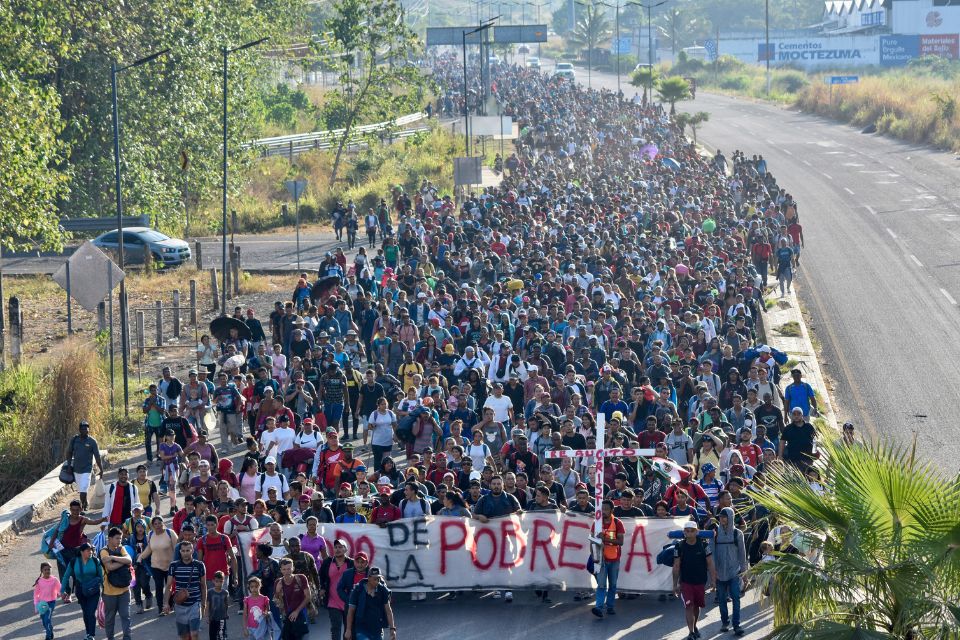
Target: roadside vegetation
[916,103]
[55,393]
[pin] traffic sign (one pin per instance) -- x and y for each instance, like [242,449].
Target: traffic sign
[296,187]
[87,280]
[843,79]
[621,46]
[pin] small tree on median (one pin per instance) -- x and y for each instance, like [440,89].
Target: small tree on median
[692,120]
[673,90]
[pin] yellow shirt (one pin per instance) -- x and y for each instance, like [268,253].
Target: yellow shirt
[109,589]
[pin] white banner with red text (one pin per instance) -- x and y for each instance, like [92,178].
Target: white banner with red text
[523,551]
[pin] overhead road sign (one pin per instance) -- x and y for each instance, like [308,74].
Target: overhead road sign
[453,36]
[514,34]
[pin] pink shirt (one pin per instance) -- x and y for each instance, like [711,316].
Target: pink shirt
[257,607]
[46,589]
[334,601]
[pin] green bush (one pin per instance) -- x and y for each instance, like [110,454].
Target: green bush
[735,83]
[790,81]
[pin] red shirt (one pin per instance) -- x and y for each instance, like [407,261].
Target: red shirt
[762,250]
[795,231]
[751,454]
[214,547]
[649,439]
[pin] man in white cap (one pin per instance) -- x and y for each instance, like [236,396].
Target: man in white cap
[693,572]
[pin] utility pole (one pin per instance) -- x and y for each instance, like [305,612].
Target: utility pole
[766,7]
[650,60]
[223,231]
[115,70]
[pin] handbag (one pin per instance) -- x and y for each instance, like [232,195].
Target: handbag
[89,587]
[182,595]
[66,474]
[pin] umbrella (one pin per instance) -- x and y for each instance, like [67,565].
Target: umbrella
[220,328]
[233,362]
[671,163]
[323,286]
[649,150]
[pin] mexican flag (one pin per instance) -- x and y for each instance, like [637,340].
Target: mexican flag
[666,468]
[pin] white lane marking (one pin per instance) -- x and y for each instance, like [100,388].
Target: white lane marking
[870,171]
[848,190]
[919,189]
[871,209]
[788,152]
[916,260]
[807,162]
[826,175]
[946,294]
[892,234]
[886,182]
[769,141]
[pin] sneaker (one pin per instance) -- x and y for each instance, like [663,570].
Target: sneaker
[724,627]
[508,597]
[546,600]
[696,631]
[738,631]
[597,611]
[140,609]
[149,603]
[577,597]
[611,611]
[497,595]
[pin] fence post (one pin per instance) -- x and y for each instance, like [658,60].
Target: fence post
[102,316]
[159,323]
[214,289]
[176,313]
[198,254]
[16,330]
[236,271]
[141,347]
[193,302]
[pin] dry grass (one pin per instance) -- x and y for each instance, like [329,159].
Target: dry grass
[41,404]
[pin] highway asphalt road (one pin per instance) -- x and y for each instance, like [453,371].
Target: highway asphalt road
[880,277]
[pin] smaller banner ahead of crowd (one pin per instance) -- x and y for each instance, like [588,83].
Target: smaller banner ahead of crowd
[524,551]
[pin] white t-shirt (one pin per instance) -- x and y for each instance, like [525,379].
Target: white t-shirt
[305,441]
[380,426]
[479,454]
[500,406]
[283,436]
[677,446]
[277,480]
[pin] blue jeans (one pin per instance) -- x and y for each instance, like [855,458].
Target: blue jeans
[731,589]
[333,412]
[47,618]
[607,583]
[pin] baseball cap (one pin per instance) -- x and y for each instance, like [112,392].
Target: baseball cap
[270,460]
[136,505]
[346,485]
[690,525]
[373,572]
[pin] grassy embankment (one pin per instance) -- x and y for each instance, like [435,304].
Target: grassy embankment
[916,103]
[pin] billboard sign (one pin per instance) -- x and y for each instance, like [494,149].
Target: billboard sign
[513,34]
[453,36]
[945,46]
[898,50]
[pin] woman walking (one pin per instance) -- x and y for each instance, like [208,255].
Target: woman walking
[159,549]
[87,576]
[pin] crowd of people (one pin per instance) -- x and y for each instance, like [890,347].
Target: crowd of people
[615,271]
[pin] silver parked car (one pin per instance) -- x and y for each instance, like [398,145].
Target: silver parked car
[169,251]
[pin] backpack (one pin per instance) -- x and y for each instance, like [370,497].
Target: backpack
[423,505]
[54,533]
[122,577]
[666,555]
[283,483]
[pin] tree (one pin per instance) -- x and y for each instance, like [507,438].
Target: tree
[880,547]
[692,120]
[32,175]
[372,35]
[592,29]
[673,90]
[645,76]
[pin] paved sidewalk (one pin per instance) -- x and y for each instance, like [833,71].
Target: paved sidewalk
[800,348]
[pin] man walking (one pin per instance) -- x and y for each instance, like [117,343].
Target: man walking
[730,558]
[369,611]
[81,452]
[189,575]
[116,583]
[611,535]
[693,571]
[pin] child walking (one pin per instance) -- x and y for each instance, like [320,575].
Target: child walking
[217,601]
[46,590]
[257,621]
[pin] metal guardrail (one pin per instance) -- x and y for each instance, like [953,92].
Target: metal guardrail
[292,148]
[102,224]
[300,142]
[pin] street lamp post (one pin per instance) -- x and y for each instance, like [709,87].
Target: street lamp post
[223,265]
[616,38]
[649,8]
[766,7]
[124,325]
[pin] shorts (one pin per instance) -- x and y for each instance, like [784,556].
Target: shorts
[188,618]
[232,422]
[692,595]
[83,481]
